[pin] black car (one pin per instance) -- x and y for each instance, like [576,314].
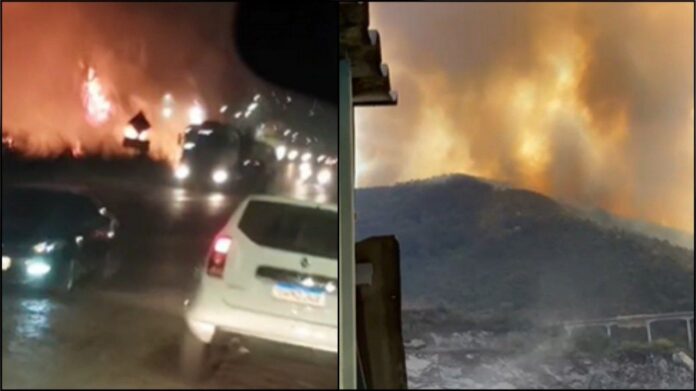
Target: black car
[217,156]
[210,157]
[52,238]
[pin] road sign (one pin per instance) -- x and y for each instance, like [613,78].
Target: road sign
[136,134]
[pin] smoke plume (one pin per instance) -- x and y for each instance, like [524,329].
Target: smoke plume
[590,103]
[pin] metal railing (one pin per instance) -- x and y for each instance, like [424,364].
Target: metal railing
[633,321]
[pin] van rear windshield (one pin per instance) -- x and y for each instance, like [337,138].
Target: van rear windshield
[293,228]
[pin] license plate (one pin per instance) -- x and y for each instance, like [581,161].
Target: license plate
[6,263]
[299,294]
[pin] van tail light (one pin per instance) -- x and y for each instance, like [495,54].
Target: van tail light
[218,256]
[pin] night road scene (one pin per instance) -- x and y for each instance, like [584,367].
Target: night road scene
[169,196]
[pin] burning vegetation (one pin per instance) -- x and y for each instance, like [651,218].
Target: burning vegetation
[589,103]
[71,86]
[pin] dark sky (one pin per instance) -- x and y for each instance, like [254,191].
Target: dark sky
[589,103]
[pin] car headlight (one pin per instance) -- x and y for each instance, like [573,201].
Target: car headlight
[324,177]
[38,268]
[281,151]
[292,155]
[182,172]
[46,247]
[305,171]
[220,176]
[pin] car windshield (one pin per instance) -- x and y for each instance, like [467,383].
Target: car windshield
[215,138]
[292,228]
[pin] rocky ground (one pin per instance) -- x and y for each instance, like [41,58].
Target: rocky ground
[480,359]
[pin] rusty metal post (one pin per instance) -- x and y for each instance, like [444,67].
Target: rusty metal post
[689,333]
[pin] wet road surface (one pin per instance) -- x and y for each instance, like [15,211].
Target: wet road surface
[124,332]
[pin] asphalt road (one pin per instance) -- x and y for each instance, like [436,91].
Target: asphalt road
[125,332]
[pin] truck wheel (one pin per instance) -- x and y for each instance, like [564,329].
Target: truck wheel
[195,359]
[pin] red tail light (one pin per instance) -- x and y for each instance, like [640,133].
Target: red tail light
[102,234]
[218,256]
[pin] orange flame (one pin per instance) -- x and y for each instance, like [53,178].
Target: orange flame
[98,108]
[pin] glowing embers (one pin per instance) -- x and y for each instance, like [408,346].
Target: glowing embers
[98,108]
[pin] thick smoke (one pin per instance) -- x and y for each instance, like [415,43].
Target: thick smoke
[590,103]
[140,51]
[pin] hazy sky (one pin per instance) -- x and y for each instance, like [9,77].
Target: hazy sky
[590,103]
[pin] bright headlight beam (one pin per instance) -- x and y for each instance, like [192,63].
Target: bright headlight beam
[196,115]
[38,268]
[44,247]
[220,176]
[324,177]
[305,171]
[182,172]
[167,112]
[292,155]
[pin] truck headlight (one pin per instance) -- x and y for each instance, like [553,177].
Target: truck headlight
[220,176]
[38,268]
[324,177]
[46,247]
[182,172]
[281,151]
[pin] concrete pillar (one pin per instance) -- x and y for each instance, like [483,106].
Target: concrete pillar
[647,327]
[347,332]
[689,333]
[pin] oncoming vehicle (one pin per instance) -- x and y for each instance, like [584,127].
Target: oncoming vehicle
[258,165]
[51,238]
[210,157]
[270,274]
